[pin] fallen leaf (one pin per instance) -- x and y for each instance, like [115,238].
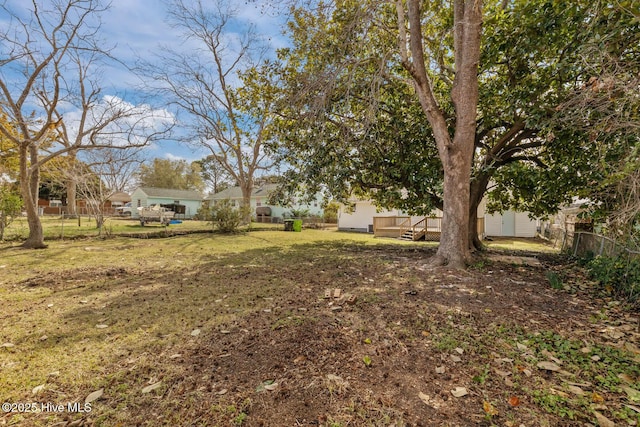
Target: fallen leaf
[459,392]
[632,394]
[102,326]
[223,391]
[631,348]
[440,370]
[425,399]
[263,385]
[94,396]
[502,373]
[603,421]
[596,398]
[626,378]
[459,350]
[489,409]
[150,388]
[175,356]
[576,390]
[195,332]
[546,353]
[633,408]
[549,366]
[455,358]
[7,345]
[271,387]
[521,347]
[514,401]
[37,389]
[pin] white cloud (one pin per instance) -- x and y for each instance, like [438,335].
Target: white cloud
[173,157]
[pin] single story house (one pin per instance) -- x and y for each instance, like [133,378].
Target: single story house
[185,203]
[364,216]
[260,207]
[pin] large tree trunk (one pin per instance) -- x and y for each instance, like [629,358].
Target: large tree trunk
[29,190]
[454,245]
[246,203]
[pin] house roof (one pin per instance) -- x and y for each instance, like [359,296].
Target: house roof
[236,192]
[120,197]
[171,193]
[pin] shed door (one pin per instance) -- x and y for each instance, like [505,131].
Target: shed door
[509,223]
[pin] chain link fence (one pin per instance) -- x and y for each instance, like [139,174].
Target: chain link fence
[615,266]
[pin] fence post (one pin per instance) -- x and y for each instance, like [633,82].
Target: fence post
[576,243]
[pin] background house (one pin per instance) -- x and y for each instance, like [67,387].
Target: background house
[260,201]
[185,202]
[360,216]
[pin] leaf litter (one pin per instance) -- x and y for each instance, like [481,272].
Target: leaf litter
[317,355]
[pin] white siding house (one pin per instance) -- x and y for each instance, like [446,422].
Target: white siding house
[508,224]
[260,198]
[359,217]
[147,196]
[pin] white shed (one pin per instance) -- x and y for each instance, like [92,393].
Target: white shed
[510,224]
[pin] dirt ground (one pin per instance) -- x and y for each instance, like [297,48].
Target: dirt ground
[372,337]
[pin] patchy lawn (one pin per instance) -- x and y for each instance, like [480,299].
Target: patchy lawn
[314,328]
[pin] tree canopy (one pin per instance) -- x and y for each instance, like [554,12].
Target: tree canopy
[353,123]
[174,174]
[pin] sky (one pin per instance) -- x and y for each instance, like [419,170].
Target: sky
[136,30]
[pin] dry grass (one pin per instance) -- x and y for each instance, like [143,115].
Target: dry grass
[112,314]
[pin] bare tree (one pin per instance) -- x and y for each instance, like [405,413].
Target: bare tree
[207,82]
[50,68]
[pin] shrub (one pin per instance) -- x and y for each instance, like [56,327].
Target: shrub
[619,275]
[223,216]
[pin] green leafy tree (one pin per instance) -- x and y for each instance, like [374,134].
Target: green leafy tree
[10,207]
[213,174]
[175,174]
[354,118]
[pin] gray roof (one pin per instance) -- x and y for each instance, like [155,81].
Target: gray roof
[236,192]
[171,193]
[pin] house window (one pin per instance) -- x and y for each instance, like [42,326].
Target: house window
[258,202]
[139,202]
[176,202]
[55,203]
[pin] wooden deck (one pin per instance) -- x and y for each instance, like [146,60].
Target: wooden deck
[401,227]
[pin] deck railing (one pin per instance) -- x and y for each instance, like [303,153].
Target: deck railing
[430,227]
[405,226]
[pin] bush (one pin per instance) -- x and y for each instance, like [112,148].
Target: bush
[223,216]
[619,275]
